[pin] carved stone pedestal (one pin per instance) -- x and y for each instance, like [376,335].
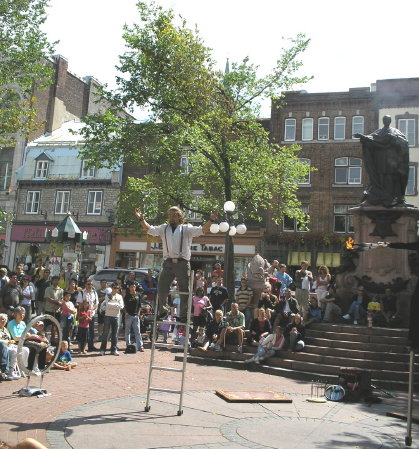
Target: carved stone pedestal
[380,268]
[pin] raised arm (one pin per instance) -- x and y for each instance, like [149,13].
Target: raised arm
[141,219]
[207,225]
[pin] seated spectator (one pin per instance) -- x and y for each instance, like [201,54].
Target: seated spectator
[214,332]
[235,327]
[201,340]
[374,310]
[314,312]
[17,326]
[357,310]
[259,327]
[64,360]
[294,334]
[200,304]
[8,351]
[38,344]
[268,301]
[244,296]
[286,307]
[269,346]
[331,309]
[390,309]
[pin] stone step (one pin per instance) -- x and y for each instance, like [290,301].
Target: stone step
[359,354]
[298,371]
[374,347]
[359,329]
[381,339]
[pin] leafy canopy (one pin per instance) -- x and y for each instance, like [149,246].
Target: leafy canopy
[208,116]
[23,49]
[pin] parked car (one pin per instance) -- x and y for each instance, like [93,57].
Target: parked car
[110,275]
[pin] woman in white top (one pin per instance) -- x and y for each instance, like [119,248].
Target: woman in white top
[112,306]
[322,283]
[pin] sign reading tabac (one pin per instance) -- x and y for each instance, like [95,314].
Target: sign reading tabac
[195,248]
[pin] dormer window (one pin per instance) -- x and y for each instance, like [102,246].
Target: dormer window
[87,172]
[41,170]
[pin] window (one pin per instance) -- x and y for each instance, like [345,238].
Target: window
[94,202]
[196,197]
[184,163]
[357,125]
[348,170]
[305,180]
[62,202]
[5,174]
[323,128]
[340,123]
[307,129]
[87,172]
[290,129]
[407,127]
[32,202]
[41,169]
[292,225]
[343,221]
[411,182]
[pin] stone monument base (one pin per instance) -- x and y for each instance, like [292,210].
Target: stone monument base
[379,268]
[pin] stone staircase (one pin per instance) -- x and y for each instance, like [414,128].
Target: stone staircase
[328,347]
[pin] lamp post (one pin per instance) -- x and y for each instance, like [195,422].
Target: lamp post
[231,230]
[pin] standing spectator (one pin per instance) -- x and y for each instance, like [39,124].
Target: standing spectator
[38,272]
[177,239]
[284,278]
[217,272]
[28,297]
[132,303]
[84,317]
[53,300]
[41,285]
[322,283]
[199,281]
[3,277]
[89,294]
[19,272]
[68,310]
[303,280]
[61,282]
[149,286]
[130,281]
[101,295]
[244,296]
[273,269]
[112,305]
[10,294]
[70,274]
[219,295]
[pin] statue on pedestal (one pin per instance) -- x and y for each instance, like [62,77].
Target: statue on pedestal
[386,158]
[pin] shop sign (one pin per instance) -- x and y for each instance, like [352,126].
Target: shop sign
[195,248]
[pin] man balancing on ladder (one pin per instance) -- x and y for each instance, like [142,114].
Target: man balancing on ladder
[177,239]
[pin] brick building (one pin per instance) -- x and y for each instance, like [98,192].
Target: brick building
[52,181]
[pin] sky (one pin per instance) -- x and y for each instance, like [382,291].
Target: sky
[353,43]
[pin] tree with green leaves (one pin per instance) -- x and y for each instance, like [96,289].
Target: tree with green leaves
[200,116]
[23,50]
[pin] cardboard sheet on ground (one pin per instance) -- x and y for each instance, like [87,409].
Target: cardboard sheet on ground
[252,396]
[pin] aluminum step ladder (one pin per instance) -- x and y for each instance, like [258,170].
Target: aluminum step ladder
[185,347]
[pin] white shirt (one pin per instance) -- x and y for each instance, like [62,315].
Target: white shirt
[171,241]
[90,297]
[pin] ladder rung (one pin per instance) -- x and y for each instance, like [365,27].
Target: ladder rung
[167,322]
[166,368]
[166,390]
[179,293]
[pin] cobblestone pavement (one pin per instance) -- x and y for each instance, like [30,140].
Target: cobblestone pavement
[100,404]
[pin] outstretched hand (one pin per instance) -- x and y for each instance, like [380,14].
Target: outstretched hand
[139,214]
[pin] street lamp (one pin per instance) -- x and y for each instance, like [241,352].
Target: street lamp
[230,229]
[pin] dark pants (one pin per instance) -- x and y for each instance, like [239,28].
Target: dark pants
[41,358]
[181,271]
[90,344]
[111,324]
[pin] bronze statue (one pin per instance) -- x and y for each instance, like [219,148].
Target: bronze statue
[386,158]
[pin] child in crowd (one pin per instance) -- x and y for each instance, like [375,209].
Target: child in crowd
[165,328]
[64,360]
[201,339]
[68,310]
[84,316]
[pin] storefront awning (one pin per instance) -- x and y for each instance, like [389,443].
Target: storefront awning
[296,257]
[331,260]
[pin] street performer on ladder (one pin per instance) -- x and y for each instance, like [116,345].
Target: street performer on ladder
[176,238]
